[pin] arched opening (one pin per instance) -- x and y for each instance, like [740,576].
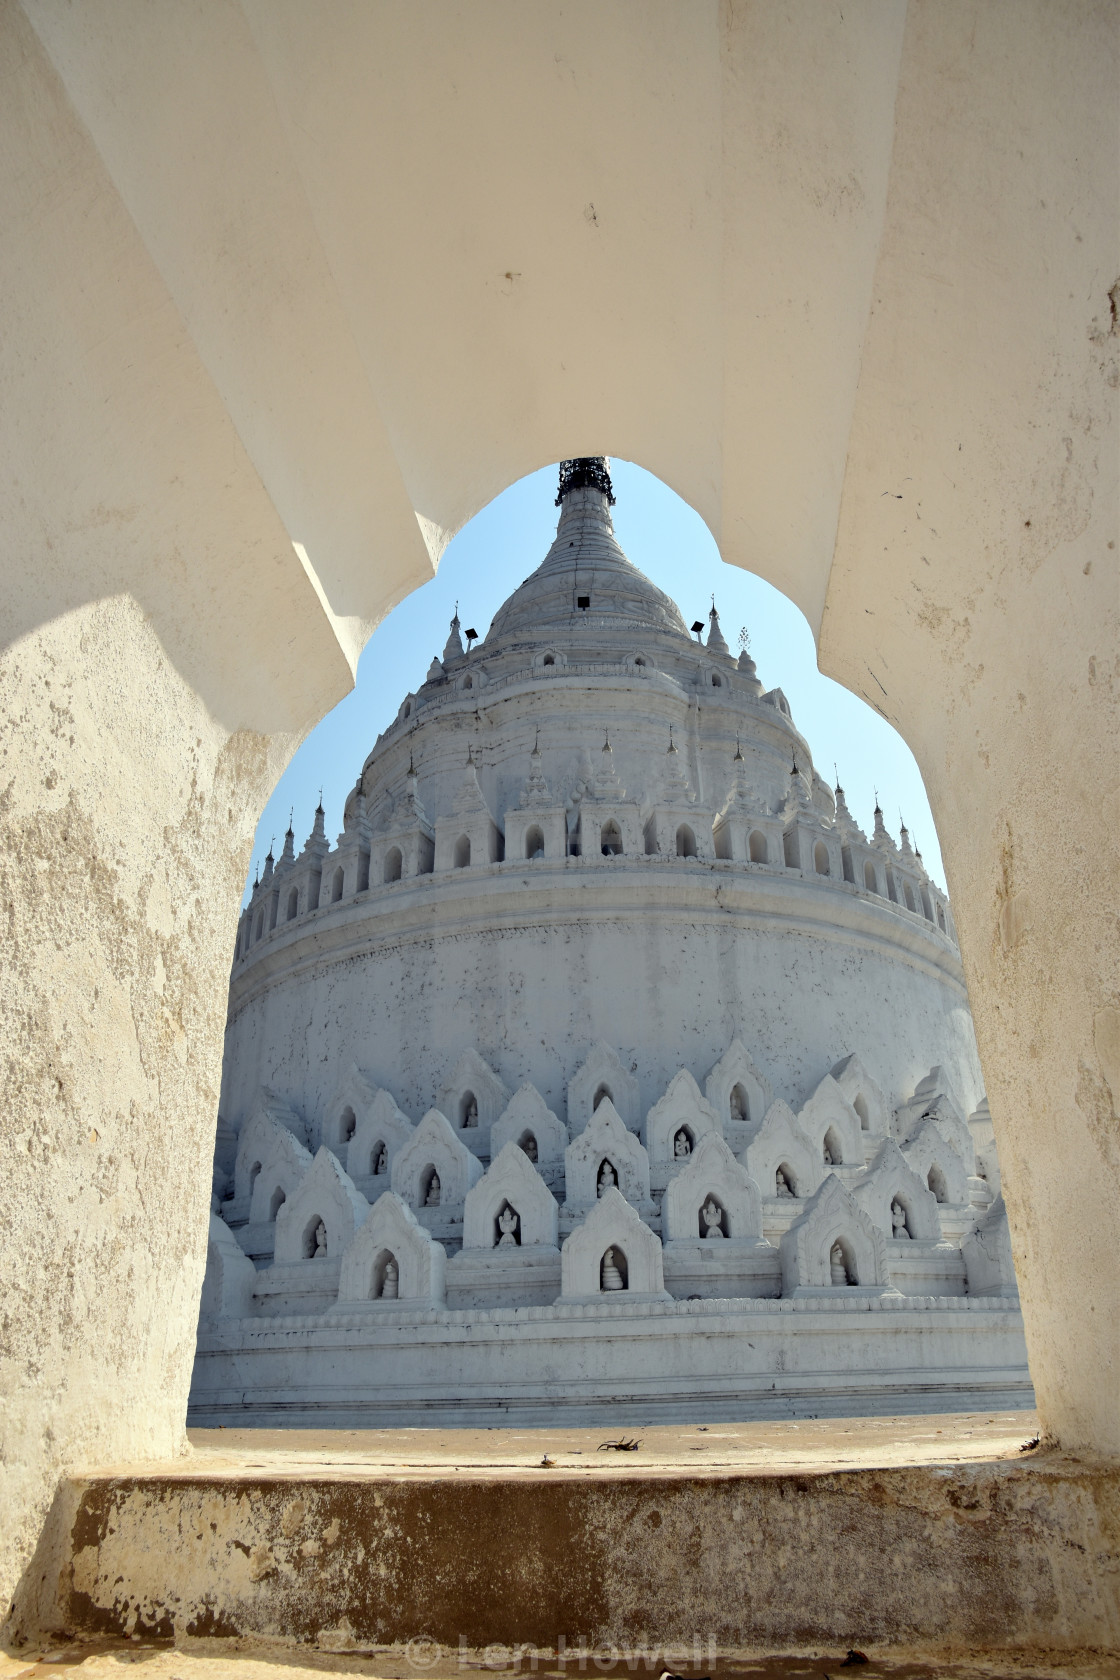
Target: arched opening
[407,709]
[462,855]
[528,1143]
[683,1143]
[821,862]
[314,1244]
[468,1110]
[534,842]
[941,918]
[607,1176]
[870,880]
[717,682]
[277,1202]
[378,1159]
[910,905]
[935,1179]
[468,682]
[831,1150]
[604,1092]
[843,1273]
[859,1103]
[610,839]
[431,1190]
[711,1219]
[337,882]
[686,842]
[739,1104]
[259,927]
[927,907]
[901,1228]
[385,1284]
[394,862]
[757,849]
[293,904]
[507,1227]
[614,1273]
[785,1183]
[721,840]
[639,661]
[548,659]
[254,1174]
[891,893]
[348,1121]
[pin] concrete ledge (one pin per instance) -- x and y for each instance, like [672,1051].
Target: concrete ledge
[997,1554]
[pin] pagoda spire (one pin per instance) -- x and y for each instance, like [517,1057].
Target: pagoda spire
[585,472]
[716,642]
[453,647]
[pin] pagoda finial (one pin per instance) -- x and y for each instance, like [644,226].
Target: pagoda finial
[585,472]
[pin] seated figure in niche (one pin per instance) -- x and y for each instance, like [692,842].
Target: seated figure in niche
[899,1229]
[380,1160]
[607,1178]
[838,1267]
[827,1153]
[470,1116]
[508,1222]
[682,1145]
[390,1282]
[530,1148]
[432,1198]
[712,1216]
[320,1239]
[738,1111]
[782,1185]
[609,1275]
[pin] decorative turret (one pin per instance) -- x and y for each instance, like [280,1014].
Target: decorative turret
[409,809]
[453,647]
[798,798]
[288,855]
[881,840]
[716,643]
[469,800]
[317,843]
[905,850]
[674,777]
[846,825]
[607,784]
[468,834]
[535,794]
[269,866]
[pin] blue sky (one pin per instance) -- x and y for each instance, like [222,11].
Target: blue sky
[673,546]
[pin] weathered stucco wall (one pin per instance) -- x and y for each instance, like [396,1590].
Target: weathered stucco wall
[974,602]
[846,1559]
[224,328]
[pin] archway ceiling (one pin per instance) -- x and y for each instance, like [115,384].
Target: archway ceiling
[418,250]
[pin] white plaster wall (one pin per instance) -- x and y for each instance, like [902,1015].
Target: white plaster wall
[671,972]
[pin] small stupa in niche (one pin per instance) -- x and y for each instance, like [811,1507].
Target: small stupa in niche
[602,1004]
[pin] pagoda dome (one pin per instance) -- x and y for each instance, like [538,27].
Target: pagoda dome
[601,1026]
[585,583]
